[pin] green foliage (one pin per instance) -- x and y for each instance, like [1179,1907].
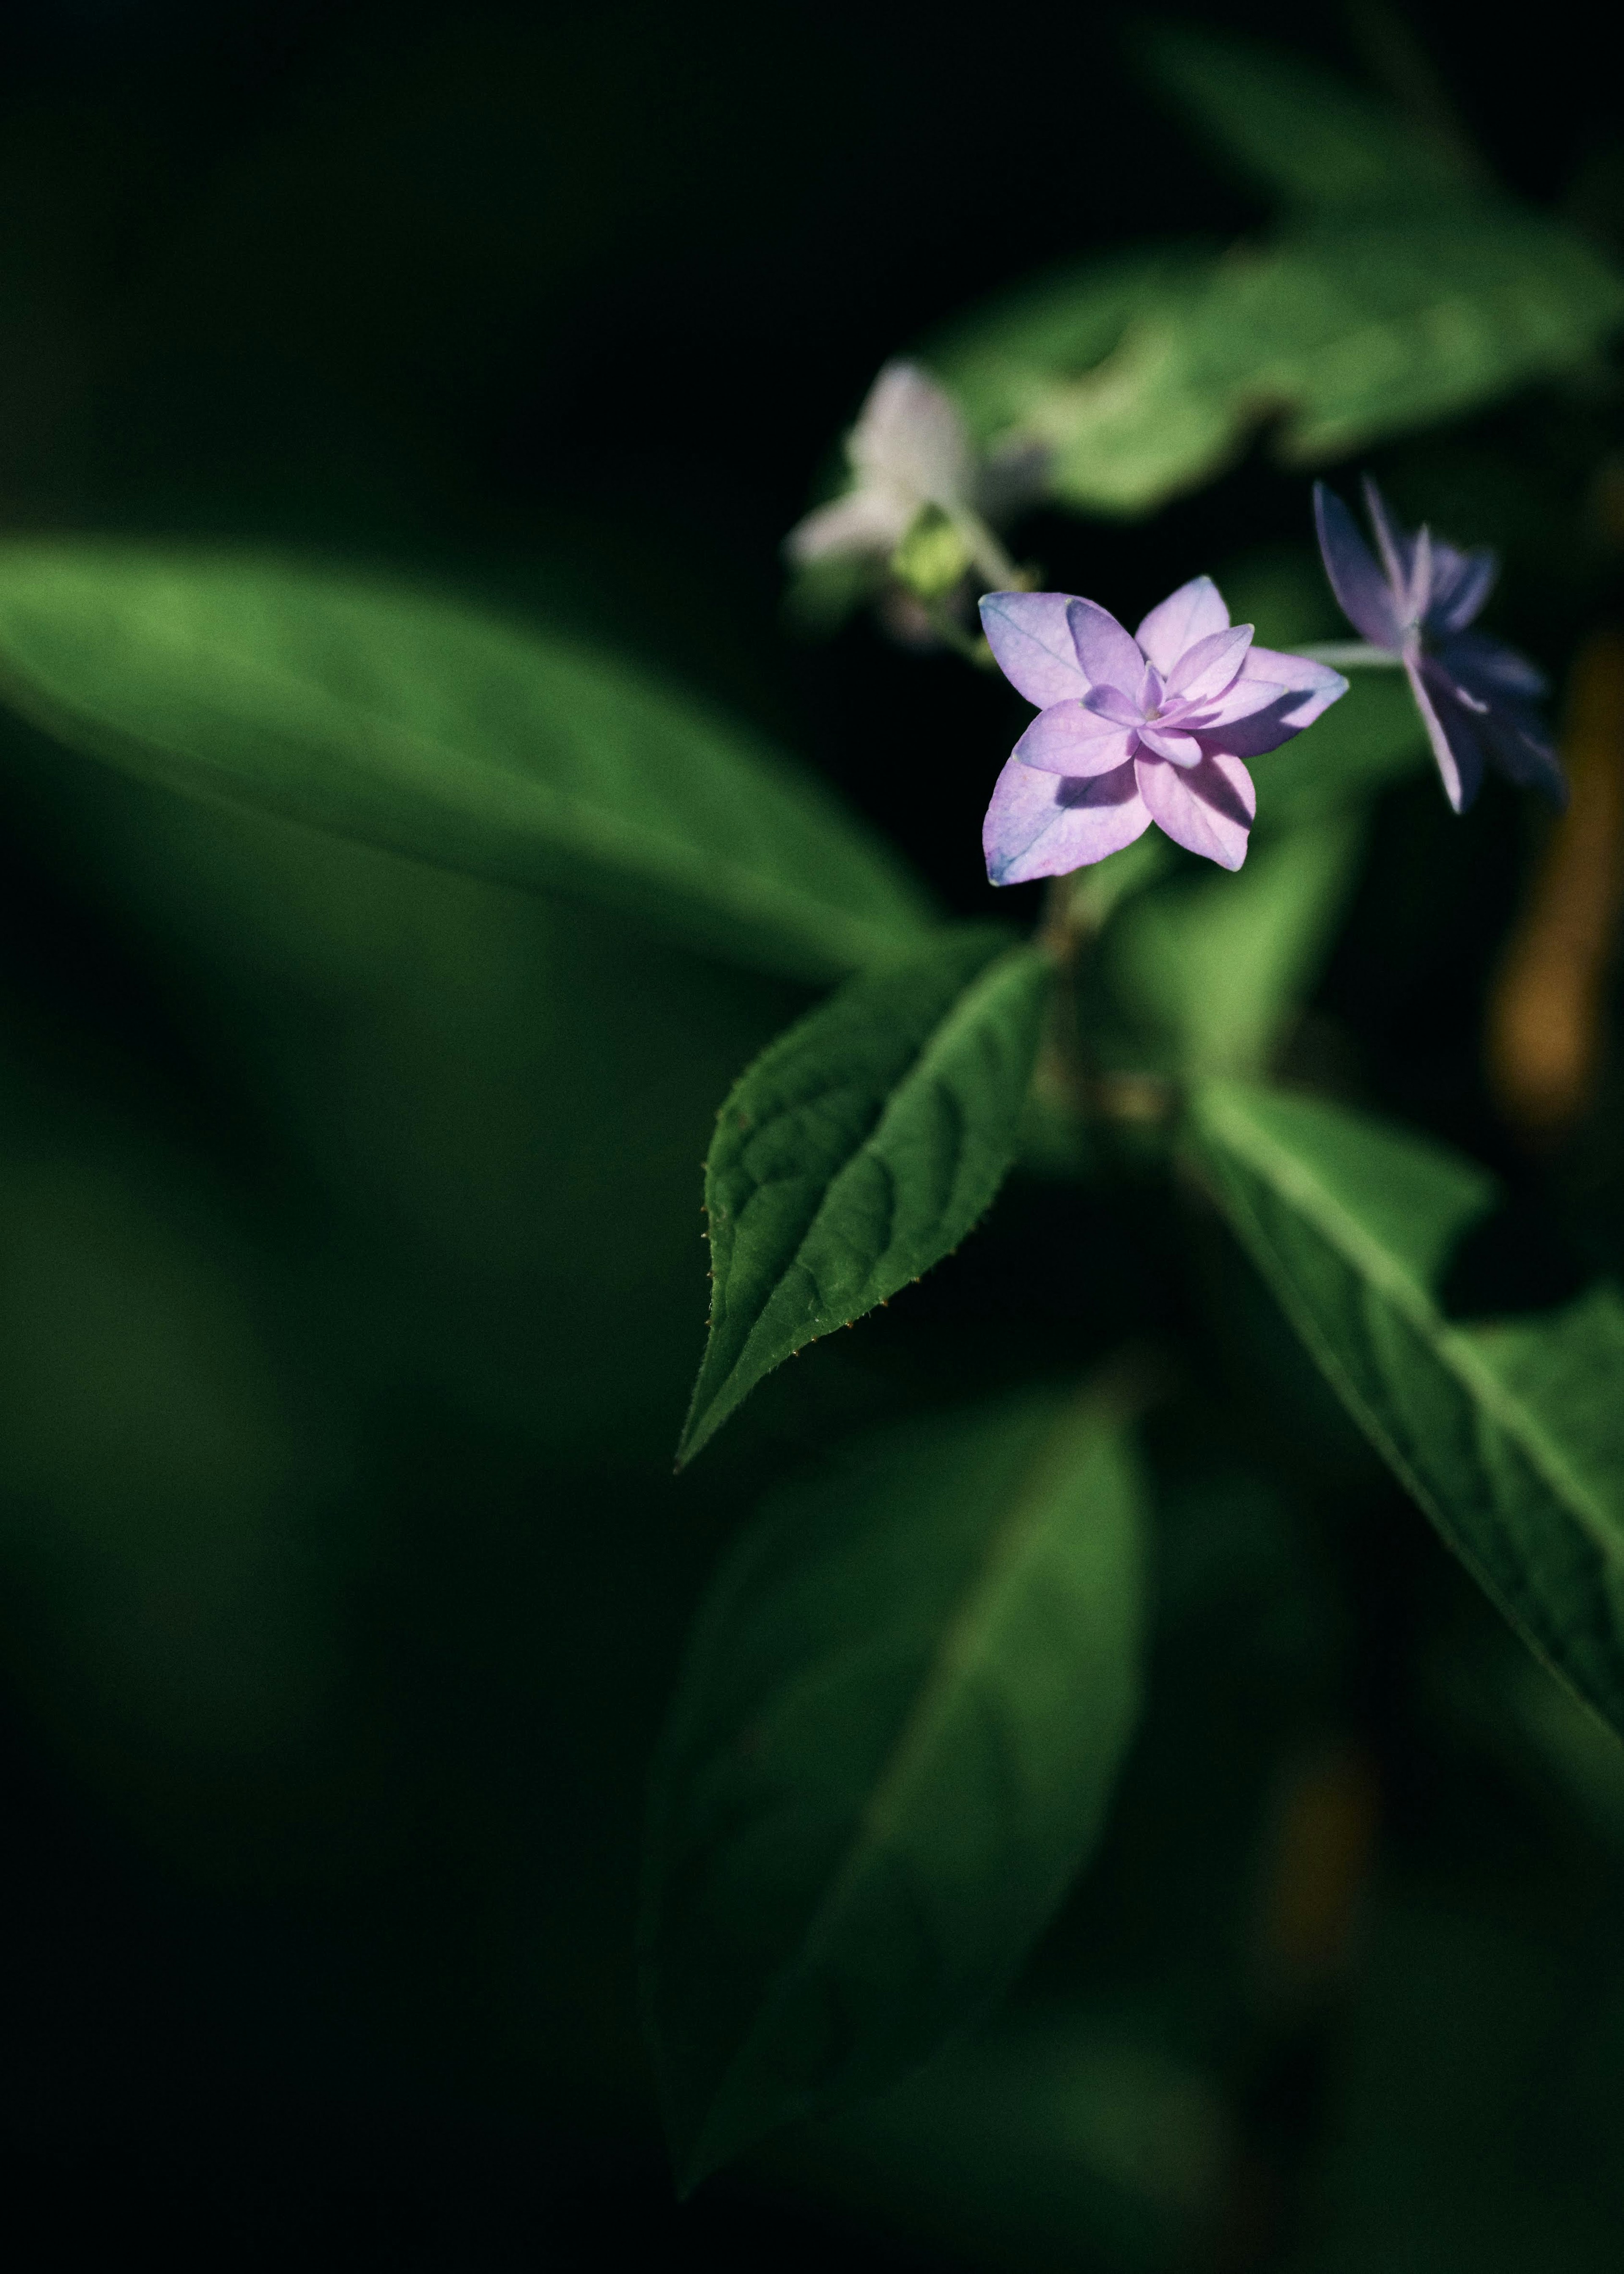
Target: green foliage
[1403,292]
[891,1749]
[1504,1423]
[411,722]
[859,1148]
[1319,145]
[1215,966]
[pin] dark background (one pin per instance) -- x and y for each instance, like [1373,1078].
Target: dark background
[566,305]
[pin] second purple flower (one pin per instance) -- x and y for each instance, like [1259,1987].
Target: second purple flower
[1131,728]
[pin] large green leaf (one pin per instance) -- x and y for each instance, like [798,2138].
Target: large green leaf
[405,720]
[1142,380]
[891,1749]
[1509,1426]
[1216,966]
[859,1148]
[1316,142]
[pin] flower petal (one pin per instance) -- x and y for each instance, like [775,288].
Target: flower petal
[1205,669]
[1208,810]
[1110,702]
[864,521]
[1397,551]
[1030,641]
[1461,582]
[1040,825]
[1185,617]
[1068,739]
[1362,591]
[1490,668]
[1177,749]
[1109,656]
[1240,701]
[1309,689]
[909,432]
[1454,743]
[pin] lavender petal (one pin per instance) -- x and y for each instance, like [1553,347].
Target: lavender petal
[1177,623]
[1208,809]
[1363,592]
[1040,825]
[1109,656]
[1068,739]
[1032,644]
[1455,744]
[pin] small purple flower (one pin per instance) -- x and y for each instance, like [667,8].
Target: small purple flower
[1477,698]
[1132,730]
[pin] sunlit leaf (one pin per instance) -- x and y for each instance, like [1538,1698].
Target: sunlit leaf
[891,1749]
[1498,1407]
[1143,382]
[859,1148]
[410,721]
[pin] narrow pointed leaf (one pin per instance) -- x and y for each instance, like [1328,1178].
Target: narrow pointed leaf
[859,1148]
[1503,1413]
[411,721]
[891,1749]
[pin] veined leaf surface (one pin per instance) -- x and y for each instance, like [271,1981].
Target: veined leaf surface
[891,1749]
[1508,1429]
[410,721]
[859,1148]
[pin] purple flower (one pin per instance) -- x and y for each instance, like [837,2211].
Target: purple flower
[1477,699]
[1132,730]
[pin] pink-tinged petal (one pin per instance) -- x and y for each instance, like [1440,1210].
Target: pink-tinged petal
[1240,701]
[1309,688]
[1108,657]
[1030,641]
[1363,592]
[1042,824]
[1177,623]
[1205,669]
[1207,810]
[864,521]
[1461,582]
[1067,739]
[1110,702]
[1455,744]
[1177,749]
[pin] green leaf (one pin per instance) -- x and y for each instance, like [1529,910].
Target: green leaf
[891,1749]
[1508,1428]
[410,721]
[1142,381]
[859,1148]
[1316,142]
[1216,966]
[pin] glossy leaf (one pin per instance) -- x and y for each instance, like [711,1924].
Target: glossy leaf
[859,1148]
[408,721]
[891,1749]
[1501,1412]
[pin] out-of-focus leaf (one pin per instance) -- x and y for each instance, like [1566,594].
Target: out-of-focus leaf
[1509,1426]
[859,1148]
[410,721]
[891,1749]
[1316,142]
[1217,965]
[1342,335]
[1048,2137]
